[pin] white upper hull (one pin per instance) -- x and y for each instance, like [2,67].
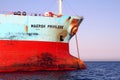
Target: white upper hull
[38,28]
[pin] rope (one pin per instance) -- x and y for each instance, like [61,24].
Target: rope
[77,46]
[73,10]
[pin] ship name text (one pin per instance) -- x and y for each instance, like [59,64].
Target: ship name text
[47,26]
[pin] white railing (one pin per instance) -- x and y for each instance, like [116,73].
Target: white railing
[24,13]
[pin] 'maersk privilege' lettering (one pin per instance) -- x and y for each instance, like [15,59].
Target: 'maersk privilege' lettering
[48,26]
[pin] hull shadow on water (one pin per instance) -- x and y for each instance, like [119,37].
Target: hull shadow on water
[38,75]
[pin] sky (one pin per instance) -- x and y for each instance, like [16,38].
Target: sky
[98,34]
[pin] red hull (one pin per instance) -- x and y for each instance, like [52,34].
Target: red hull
[36,55]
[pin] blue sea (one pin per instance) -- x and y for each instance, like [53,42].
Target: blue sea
[95,71]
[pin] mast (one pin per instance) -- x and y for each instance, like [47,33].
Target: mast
[60,7]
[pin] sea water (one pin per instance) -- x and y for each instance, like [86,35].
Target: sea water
[95,71]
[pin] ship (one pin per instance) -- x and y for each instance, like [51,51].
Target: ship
[38,42]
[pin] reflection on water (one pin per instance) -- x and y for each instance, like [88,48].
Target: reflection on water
[38,75]
[94,71]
